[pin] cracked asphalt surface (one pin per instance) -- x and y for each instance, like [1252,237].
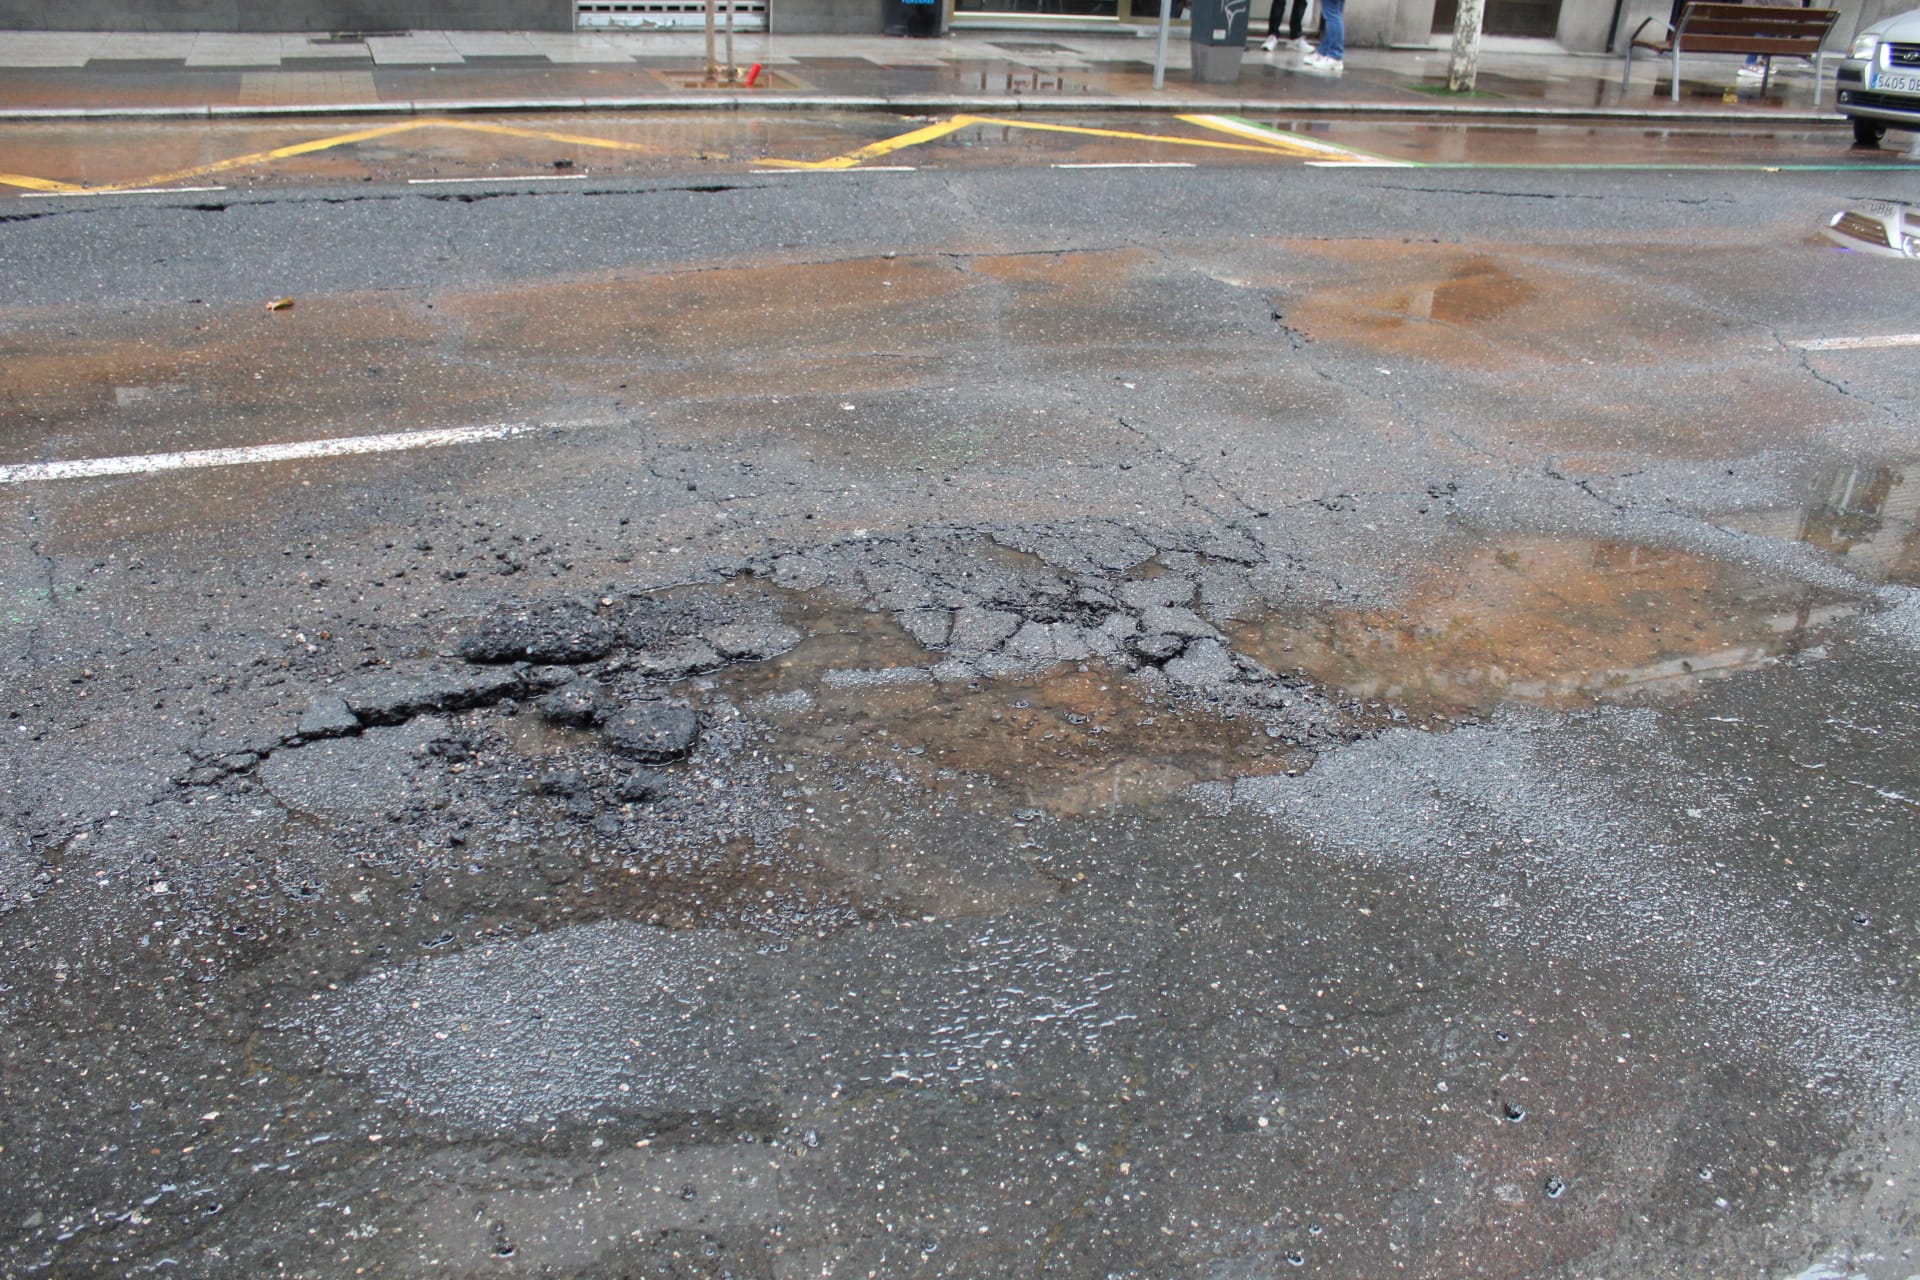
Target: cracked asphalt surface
[1123,724]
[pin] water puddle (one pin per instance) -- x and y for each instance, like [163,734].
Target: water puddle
[1506,317]
[766,80]
[1882,228]
[1067,740]
[1550,622]
[1867,517]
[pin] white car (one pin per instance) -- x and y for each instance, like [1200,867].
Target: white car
[1878,86]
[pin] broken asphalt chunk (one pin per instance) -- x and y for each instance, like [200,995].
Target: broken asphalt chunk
[1156,646]
[1166,589]
[1167,620]
[397,694]
[756,641]
[577,704]
[1206,664]
[928,626]
[652,732]
[977,630]
[675,658]
[327,716]
[638,788]
[553,631]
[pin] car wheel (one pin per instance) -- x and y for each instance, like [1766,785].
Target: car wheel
[1867,133]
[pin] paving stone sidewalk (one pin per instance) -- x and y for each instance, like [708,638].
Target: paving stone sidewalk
[63,74]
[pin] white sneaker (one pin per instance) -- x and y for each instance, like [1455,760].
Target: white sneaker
[1270,43]
[1750,73]
[1322,64]
[1300,44]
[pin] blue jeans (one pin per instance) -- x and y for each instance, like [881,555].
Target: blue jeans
[1333,42]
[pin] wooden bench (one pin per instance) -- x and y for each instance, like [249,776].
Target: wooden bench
[1765,30]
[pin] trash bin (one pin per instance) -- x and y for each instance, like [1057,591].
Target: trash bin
[1219,39]
[911,17]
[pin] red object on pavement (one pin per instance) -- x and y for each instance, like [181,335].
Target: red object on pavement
[753,74]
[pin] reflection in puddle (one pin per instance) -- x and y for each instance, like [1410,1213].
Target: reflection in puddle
[1558,623]
[1865,516]
[1883,228]
[1067,740]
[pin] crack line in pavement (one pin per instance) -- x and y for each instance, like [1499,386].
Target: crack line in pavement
[1187,468]
[1804,357]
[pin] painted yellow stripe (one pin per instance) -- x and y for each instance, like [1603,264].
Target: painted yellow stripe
[545,135]
[1269,142]
[1272,144]
[277,153]
[331,141]
[1281,140]
[36,184]
[886,146]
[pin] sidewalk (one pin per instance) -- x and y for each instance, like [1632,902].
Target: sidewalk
[62,75]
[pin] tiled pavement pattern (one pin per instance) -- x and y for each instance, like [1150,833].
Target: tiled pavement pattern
[288,88]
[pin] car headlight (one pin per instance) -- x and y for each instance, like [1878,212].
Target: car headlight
[1863,47]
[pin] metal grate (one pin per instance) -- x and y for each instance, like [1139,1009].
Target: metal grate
[655,15]
[1903,55]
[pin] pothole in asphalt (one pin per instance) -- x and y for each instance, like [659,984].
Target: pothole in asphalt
[1069,739]
[872,742]
[1552,622]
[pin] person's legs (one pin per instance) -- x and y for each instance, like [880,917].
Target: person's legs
[1295,20]
[1333,44]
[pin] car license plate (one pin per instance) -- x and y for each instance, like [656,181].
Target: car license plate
[1897,84]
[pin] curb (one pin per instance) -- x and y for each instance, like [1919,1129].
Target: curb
[921,104]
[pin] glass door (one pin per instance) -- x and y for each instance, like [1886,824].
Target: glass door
[1540,18]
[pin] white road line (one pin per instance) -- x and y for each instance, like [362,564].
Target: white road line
[1120,164]
[338,446]
[522,177]
[1860,344]
[121,191]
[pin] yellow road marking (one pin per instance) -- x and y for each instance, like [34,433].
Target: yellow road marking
[886,146]
[571,139]
[327,143]
[1260,141]
[262,157]
[1276,144]
[36,184]
[1283,140]
[1268,143]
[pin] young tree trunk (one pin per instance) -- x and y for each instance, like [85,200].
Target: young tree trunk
[1464,65]
[713,66]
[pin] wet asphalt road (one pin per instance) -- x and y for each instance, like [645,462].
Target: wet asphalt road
[1156,724]
[623,147]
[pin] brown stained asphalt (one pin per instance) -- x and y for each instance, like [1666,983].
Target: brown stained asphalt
[973,70]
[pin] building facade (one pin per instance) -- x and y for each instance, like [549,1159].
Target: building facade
[1587,26]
